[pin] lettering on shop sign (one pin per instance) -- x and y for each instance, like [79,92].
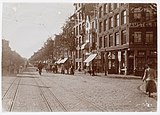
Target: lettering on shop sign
[144,24]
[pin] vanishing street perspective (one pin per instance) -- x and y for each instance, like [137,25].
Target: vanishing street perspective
[79,57]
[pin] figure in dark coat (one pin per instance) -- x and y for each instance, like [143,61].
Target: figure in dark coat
[149,77]
[40,66]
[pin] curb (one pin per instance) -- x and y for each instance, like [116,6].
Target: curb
[112,76]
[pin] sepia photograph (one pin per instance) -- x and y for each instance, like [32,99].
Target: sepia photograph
[79,57]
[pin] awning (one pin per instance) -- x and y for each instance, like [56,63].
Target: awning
[84,45]
[63,60]
[90,58]
[58,62]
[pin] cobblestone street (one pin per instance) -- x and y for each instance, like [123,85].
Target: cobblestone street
[30,92]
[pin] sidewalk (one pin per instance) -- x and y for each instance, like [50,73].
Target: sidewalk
[110,75]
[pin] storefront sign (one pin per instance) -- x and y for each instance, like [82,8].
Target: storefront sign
[144,24]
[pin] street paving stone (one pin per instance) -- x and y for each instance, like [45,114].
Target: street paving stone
[74,93]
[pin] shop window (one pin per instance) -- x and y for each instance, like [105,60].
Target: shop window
[105,41]
[149,38]
[109,64]
[124,37]
[110,40]
[124,17]
[105,9]
[110,22]
[113,55]
[123,59]
[76,65]
[111,60]
[137,36]
[140,63]
[117,39]
[105,25]
[117,20]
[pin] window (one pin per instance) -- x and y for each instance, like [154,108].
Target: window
[137,14]
[80,31]
[79,16]
[111,6]
[153,53]
[92,25]
[79,41]
[137,37]
[148,15]
[105,25]
[118,5]
[117,40]
[110,22]
[76,41]
[100,11]
[105,41]
[124,37]
[141,53]
[110,40]
[80,54]
[76,54]
[75,31]
[117,20]
[76,6]
[100,27]
[105,9]
[149,38]
[100,42]
[124,20]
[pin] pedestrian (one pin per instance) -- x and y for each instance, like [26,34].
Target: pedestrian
[40,66]
[72,69]
[62,69]
[56,69]
[85,68]
[150,79]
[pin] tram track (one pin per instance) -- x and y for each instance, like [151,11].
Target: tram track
[43,90]
[9,88]
[14,95]
[81,98]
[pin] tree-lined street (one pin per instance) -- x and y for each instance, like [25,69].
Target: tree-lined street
[30,92]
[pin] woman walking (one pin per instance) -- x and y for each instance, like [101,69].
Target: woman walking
[149,77]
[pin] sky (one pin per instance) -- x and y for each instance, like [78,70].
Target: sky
[28,25]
